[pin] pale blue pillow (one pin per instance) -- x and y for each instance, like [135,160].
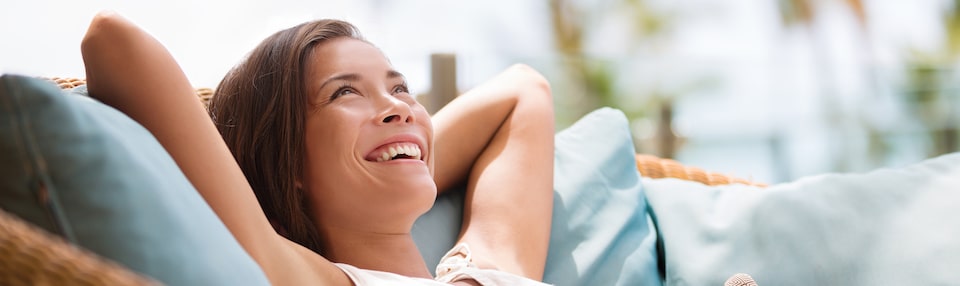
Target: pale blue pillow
[886,227]
[601,232]
[87,172]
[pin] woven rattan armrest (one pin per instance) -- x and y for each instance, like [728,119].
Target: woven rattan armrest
[655,167]
[32,256]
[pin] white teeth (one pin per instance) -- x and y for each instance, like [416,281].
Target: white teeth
[412,151]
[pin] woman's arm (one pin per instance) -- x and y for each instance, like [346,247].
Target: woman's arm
[131,71]
[499,136]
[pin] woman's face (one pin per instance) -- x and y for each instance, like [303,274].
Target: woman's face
[368,141]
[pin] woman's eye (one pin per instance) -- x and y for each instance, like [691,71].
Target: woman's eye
[341,92]
[400,89]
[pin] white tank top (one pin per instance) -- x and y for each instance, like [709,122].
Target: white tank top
[456,265]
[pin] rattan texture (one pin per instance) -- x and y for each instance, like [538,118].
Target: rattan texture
[70,82]
[32,256]
[656,168]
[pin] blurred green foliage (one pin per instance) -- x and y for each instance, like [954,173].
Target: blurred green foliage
[928,95]
[591,81]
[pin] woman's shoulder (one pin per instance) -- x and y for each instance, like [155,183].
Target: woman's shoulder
[457,264]
[482,276]
[374,277]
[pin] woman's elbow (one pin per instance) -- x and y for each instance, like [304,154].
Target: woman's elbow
[104,28]
[534,98]
[532,83]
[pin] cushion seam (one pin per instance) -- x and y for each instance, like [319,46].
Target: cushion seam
[36,162]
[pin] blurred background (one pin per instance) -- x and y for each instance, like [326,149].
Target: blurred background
[771,90]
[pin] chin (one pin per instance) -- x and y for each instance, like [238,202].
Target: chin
[425,192]
[414,197]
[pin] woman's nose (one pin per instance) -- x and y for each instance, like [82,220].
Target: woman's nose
[396,111]
[396,118]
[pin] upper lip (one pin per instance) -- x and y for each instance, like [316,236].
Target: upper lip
[402,138]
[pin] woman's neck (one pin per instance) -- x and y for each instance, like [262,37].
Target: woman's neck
[396,253]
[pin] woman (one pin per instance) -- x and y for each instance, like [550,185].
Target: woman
[341,157]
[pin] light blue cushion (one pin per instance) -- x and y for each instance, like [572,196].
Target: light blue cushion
[87,172]
[601,233]
[886,227]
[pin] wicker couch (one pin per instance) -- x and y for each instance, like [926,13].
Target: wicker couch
[31,256]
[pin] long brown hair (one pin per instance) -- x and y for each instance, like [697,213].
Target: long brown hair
[260,108]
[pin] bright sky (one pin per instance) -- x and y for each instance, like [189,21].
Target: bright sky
[208,37]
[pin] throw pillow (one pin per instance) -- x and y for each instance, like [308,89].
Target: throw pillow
[886,227]
[89,173]
[601,232]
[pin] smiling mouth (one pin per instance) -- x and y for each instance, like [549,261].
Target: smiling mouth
[396,151]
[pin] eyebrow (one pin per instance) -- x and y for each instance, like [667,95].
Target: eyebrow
[394,74]
[346,77]
[391,74]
